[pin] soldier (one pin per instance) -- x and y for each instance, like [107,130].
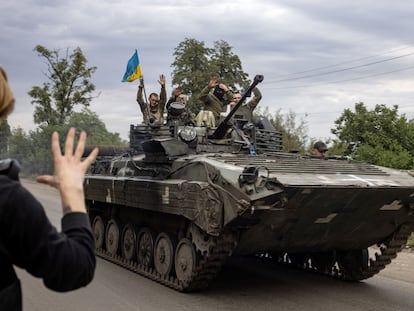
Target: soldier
[319,149]
[178,91]
[245,113]
[215,96]
[177,111]
[153,111]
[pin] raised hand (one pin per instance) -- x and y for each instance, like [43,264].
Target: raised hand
[162,80]
[69,171]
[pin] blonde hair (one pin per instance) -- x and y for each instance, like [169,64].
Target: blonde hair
[6,96]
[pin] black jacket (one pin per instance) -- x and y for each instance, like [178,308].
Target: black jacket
[64,260]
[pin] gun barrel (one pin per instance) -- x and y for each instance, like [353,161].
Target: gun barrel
[106,150]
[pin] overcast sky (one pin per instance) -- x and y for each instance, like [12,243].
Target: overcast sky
[317,57]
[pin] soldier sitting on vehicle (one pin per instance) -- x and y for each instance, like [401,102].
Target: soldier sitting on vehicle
[214,97]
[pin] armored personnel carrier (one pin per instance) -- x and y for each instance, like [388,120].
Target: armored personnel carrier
[182,199]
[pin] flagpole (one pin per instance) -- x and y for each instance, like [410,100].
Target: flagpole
[150,119]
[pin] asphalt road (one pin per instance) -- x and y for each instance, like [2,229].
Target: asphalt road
[243,284]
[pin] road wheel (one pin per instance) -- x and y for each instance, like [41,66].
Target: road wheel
[129,242]
[112,237]
[98,229]
[164,254]
[185,260]
[145,247]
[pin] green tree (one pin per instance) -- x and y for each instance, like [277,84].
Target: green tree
[195,64]
[228,66]
[33,152]
[21,148]
[294,131]
[39,158]
[68,86]
[191,69]
[96,130]
[382,136]
[5,134]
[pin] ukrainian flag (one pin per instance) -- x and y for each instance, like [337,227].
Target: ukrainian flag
[133,70]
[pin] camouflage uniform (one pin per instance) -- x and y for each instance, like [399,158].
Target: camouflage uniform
[157,111]
[213,104]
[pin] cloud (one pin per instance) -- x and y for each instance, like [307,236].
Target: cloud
[281,40]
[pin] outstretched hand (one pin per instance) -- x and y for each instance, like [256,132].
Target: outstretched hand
[69,170]
[213,82]
[162,80]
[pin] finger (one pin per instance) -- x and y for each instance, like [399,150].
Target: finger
[69,142]
[56,147]
[81,145]
[91,158]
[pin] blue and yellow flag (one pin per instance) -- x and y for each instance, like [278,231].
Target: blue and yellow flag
[133,70]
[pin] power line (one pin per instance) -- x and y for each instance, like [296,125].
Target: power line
[340,81]
[345,62]
[344,69]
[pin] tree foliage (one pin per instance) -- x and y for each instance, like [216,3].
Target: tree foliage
[33,152]
[25,148]
[191,65]
[96,130]
[68,86]
[191,69]
[294,131]
[20,144]
[381,136]
[195,64]
[228,66]
[5,134]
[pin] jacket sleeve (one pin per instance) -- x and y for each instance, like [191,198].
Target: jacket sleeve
[255,100]
[163,98]
[140,98]
[228,97]
[204,95]
[142,105]
[64,260]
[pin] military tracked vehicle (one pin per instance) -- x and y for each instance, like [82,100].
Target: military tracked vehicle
[183,198]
